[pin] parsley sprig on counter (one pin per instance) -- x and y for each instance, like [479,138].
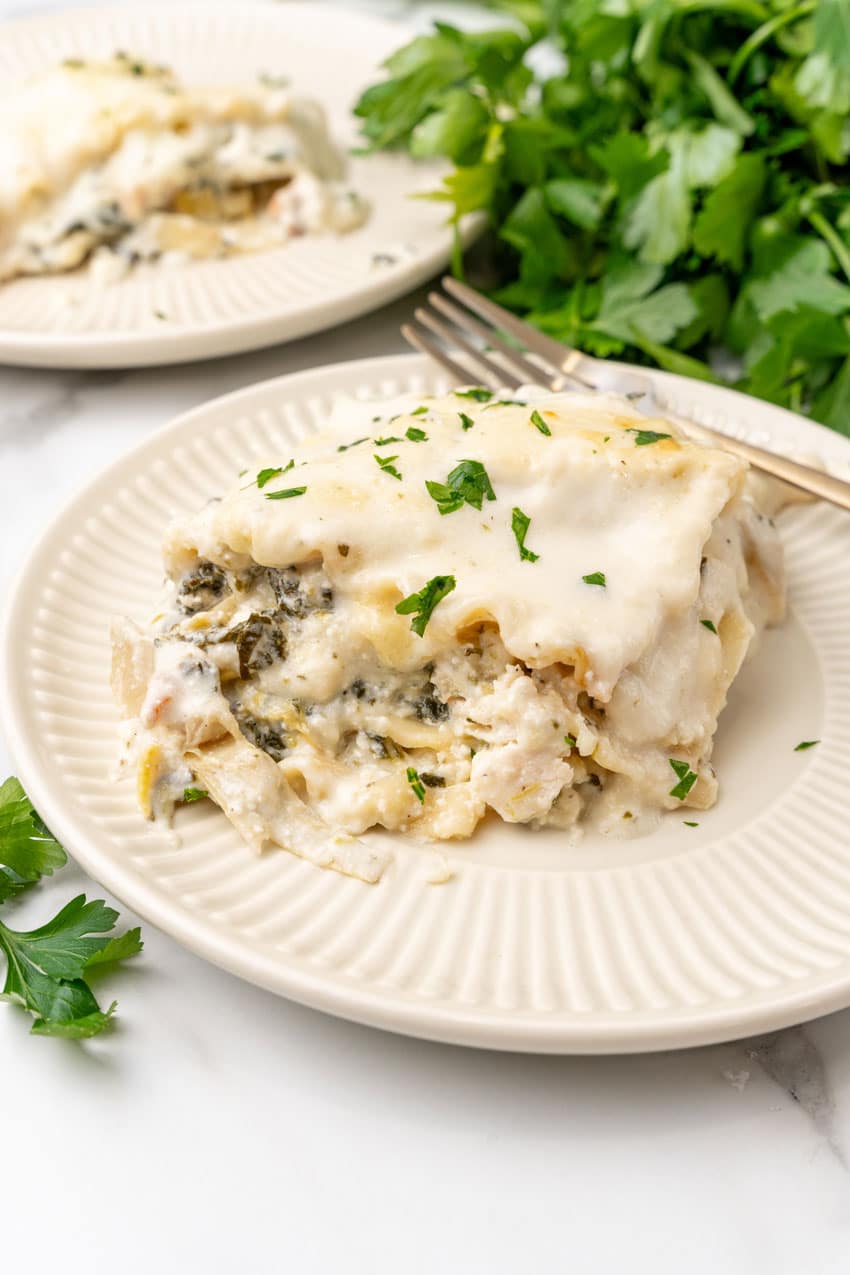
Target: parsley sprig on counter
[45,967]
[679,186]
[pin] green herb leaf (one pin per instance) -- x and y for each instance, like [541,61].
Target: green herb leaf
[419,411]
[28,850]
[386,464]
[344,447]
[520,523]
[643,437]
[286,494]
[687,778]
[416,435]
[415,781]
[421,605]
[708,624]
[538,422]
[689,823]
[466,422]
[44,967]
[468,483]
[265,475]
[476,392]
[804,744]
[596,577]
[194,794]
[386,442]
[570,741]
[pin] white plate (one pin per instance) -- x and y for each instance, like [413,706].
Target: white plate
[220,307]
[686,936]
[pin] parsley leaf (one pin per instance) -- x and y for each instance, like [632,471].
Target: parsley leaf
[420,411]
[538,422]
[476,392]
[266,475]
[687,778]
[344,447]
[28,850]
[468,483]
[466,422]
[804,744]
[596,577]
[386,442]
[415,781]
[643,437]
[421,605]
[386,464]
[194,794]
[45,966]
[416,435]
[708,624]
[286,494]
[520,523]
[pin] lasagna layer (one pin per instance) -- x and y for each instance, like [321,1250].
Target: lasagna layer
[451,606]
[119,159]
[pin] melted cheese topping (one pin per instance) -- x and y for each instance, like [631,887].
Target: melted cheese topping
[120,153]
[551,689]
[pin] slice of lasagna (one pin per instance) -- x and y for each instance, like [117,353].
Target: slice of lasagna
[119,160]
[448,607]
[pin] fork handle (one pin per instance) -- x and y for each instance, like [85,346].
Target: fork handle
[814,481]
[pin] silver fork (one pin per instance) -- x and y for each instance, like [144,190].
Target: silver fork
[474,326]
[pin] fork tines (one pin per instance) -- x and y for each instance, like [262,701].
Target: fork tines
[502,350]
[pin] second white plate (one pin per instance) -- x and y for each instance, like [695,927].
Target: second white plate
[687,936]
[204,309]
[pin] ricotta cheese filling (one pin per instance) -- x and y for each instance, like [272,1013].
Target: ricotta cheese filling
[530,605]
[118,162]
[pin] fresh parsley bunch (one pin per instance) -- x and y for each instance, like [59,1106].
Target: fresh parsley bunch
[45,967]
[676,188]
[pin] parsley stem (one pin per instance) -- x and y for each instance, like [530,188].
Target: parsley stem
[832,239]
[763,33]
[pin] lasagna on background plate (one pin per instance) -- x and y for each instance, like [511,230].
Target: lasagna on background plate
[450,609]
[119,163]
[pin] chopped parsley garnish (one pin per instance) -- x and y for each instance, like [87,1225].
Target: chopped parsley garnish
[643,437]
[194,794]
[467,484]
[506,402]
[421,605]
[287,494]
[420,411]
[804,744]
[386,464]
[570,741]
[539,423]
[46,967]
[466,422]
[385,442]
[344,447]
[708,624]
[266,475]
[477,392]
[687,779]
[413,778]
[519,525]
[416,435]
[595,577]
[689,823]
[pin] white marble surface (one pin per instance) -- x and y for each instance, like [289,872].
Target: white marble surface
[220,1129]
